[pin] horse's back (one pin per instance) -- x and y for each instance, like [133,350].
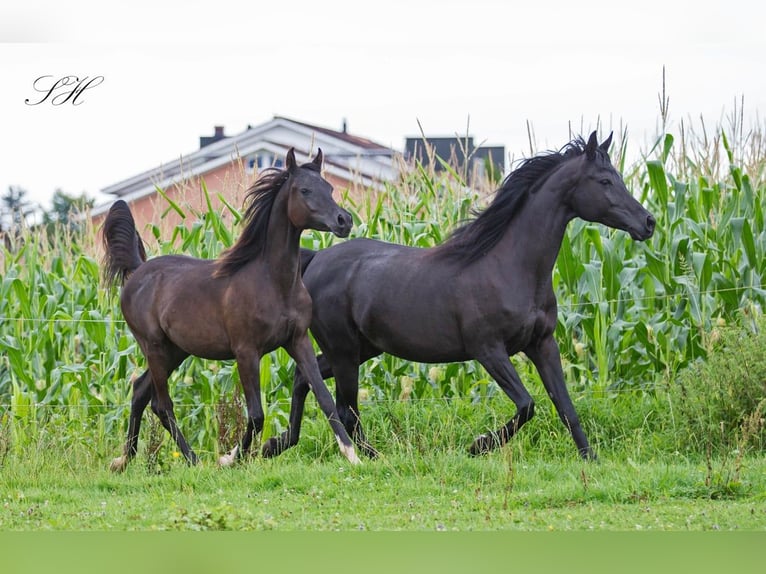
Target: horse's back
[166,271]
[364,265]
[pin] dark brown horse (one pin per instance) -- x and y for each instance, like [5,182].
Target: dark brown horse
[241,306]
[484,294]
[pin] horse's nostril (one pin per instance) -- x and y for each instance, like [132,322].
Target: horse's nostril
[650,222]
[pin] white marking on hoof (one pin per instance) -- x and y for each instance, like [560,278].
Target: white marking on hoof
[228,459]
[119,464]
[348,451]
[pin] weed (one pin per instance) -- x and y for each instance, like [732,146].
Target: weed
[231,422]
[718,404]
[154,462]
[201,519]
[5,436]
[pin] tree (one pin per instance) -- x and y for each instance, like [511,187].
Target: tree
[15,210]
[66,210]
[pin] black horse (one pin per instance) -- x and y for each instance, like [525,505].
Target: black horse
[241,306]
[484,294]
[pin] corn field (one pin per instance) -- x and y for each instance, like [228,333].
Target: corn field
[631,315]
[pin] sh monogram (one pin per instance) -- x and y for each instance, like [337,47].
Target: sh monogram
[68,89]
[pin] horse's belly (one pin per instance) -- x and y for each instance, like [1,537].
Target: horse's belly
[428,353]
[215,348]
[424,339]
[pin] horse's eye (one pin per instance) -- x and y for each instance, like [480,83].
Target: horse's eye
[305,191]
[606,181]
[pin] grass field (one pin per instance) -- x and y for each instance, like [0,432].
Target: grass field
[424,482]
[306,495]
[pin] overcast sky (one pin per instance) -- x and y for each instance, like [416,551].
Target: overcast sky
[172,70]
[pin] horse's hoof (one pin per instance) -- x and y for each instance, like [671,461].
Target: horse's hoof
[481,446]
[119,464]
[588,455]
[349,452]
[271,448]
[353,458]
[228,459]
[369,451]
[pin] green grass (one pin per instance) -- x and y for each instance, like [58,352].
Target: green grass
[444,491]
[425,481]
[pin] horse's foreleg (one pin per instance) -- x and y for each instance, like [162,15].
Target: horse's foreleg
[289,438]
[347,401]
[249,375]
[500,368]
[303,353]
[547,359]
[142,392]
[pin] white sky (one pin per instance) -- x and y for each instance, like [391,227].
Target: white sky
[175,69]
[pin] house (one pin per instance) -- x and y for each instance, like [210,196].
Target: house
[230,164]
[455,150]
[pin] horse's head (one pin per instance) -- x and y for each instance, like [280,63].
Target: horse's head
[310,202]
[600,195]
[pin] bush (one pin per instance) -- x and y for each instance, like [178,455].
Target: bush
[719,404]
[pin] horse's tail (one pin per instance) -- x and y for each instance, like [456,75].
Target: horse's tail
[124,250]
[306,256]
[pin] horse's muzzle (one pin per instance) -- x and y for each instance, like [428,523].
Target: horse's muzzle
[343,224]
[646,232]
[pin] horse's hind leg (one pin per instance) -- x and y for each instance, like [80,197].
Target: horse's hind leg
[142,392]
[162,362]
[501,369]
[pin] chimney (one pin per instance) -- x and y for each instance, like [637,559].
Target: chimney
[217,135]
[345,126]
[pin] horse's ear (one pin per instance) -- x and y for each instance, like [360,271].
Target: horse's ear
[318,159]
[590,147]
[290,160]
[606,143]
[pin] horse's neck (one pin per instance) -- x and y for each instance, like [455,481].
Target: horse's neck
[283,245]
[533,240]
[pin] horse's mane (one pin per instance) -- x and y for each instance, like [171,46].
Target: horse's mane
[474,239]
[259,202]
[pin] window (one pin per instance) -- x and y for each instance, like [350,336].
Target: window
[263,160]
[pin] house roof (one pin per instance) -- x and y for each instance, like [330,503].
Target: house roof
[345,155]
[352,139]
